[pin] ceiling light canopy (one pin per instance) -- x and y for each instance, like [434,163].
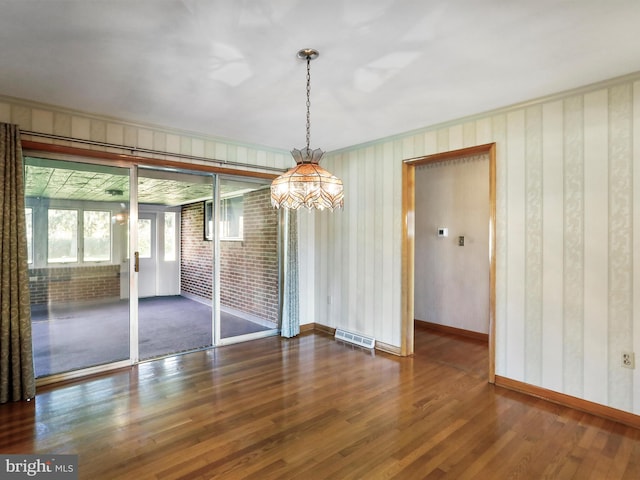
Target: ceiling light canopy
[307,184]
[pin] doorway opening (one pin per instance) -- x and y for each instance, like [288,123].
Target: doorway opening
[409,239]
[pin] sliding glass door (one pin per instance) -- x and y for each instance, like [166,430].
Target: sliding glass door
[77,216]
[246,260]
[130,263]
[191,241]
[175,267]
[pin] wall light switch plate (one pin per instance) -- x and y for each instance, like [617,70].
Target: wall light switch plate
[443,232]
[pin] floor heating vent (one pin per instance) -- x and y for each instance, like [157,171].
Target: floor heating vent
[361,340]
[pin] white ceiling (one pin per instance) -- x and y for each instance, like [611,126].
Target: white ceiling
[228,68]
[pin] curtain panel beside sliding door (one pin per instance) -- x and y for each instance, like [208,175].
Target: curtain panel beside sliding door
[17,379]
[290,298]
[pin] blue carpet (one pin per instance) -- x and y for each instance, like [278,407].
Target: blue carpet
[69,337]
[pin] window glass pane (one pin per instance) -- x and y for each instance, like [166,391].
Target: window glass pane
[62,236]
[28,213]
[208,220]
[79,316]
[249,269]
[97,236]
[232,218]
[169,236]
[144,237]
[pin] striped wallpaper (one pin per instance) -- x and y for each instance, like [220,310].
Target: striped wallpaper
[46,119]
[567,304]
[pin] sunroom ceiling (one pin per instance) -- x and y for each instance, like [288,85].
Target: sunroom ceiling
[58,180]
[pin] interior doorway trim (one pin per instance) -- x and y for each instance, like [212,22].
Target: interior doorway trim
[408,242]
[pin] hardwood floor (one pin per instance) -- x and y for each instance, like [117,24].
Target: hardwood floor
[314,408]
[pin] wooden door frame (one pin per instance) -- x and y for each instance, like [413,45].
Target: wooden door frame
[408,243]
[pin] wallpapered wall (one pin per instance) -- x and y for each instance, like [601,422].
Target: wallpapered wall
[567,304]
[47,119]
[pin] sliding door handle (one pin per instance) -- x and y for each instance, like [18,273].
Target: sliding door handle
[136,261]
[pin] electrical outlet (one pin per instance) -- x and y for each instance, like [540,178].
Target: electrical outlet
[628,360]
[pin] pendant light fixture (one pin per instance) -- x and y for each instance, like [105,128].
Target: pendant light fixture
[307,184]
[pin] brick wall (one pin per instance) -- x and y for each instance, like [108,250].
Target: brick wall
[196,257]
[74,284]
[248,268]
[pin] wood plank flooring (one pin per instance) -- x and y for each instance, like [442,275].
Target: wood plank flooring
[315,408]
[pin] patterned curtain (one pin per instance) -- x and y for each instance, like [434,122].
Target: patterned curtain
[290,308]
[17,378]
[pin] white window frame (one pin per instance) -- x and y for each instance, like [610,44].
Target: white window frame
[40,215]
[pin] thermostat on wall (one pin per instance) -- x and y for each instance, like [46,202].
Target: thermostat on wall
[443,232]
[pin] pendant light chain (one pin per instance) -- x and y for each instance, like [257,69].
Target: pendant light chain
[307,184]
[308,102]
